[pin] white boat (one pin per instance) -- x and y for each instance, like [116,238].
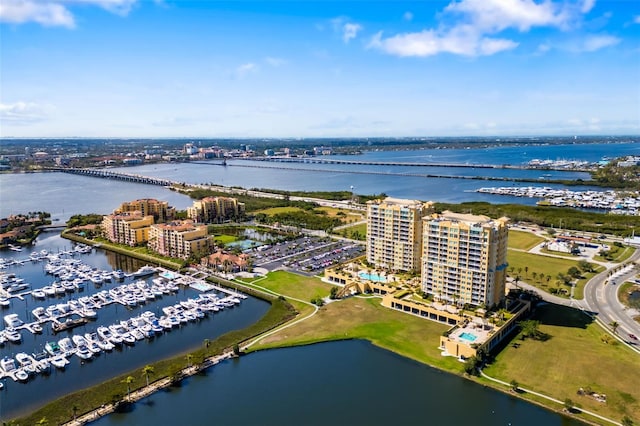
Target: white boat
[106,334]
[144,271]
[4,302]
[20,376]
[38,294]
[14,248]
[27,362]
[34,328]
[8,365]
[66,345]
[53,348]
[12,335]
[59,362]
[12,320]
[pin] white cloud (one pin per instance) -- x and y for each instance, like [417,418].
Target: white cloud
[407,16]
[472,25]
[636,19]
[55,13]
[275,62]
[429,43]
[597,42]
[245,69]
[21,113]
[348,30]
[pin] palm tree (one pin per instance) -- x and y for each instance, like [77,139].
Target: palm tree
[43,421]
[189,359]
[548,278]
[75,411]
[534,274]
[146,371]
[526,271]
[128,382]
[614,326]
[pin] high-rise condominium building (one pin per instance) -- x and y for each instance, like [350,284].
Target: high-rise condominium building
[215,209]
[180,238]
[394,233]
[160,210]
[127,228]
[464,258]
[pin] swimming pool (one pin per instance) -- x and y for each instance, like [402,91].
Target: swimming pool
[469,337]
[372,277]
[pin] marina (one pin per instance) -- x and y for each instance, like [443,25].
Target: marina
[619,202]
[133,315]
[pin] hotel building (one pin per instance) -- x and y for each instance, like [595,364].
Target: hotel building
[215,209]
[160,210]
[464,258]
[127,228]
[180,239]
[394,233]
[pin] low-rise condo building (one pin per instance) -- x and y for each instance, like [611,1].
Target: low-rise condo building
[160,210]
[180,239]
[394,233]
[129,228]
[215,209]
[464,258]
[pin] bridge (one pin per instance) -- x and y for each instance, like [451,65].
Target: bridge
[107,174]
[317,160]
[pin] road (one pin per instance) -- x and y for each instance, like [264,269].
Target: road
[602,299]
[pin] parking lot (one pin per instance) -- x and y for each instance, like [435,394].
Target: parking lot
[307,255]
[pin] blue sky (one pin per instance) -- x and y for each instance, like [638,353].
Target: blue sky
[131,68]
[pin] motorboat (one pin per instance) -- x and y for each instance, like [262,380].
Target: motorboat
[12,335]
[12,320]
[106,334]
[8,365]
[66,345]
[53,348]
[4,302]
[38,294]
[39,313]
[27,362]
[20,376]
[34,328]
[59,362]
[144,271]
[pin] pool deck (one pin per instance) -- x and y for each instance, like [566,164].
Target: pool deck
[475,328]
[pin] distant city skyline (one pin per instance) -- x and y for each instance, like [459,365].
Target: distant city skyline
[303,69]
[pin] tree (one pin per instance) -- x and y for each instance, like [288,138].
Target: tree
[514,385]
[626,421]
[189,358]
[568,404]
[534,274]
[147,370]
[470,365]
[614,326]
[128,382]
[530,328]
[74,409]
[526,271]
[236,349]
[334,292]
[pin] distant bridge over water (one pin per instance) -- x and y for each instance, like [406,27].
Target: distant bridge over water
[107,174]
[319,160]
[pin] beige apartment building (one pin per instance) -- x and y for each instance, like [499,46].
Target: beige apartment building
[394,233]
[464,258]
[129,228]
[180,239]
[160,210]
[215,209]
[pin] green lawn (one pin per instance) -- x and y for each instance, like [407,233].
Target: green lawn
[225,239]
[358,318]
[350,232]
[617,254]
[543,266]
[523,240]
[294,285]
[277,210]
[573,357]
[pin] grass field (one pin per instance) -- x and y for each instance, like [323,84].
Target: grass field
[574,357]
[523,240]
[276,210]
[298,286]
[618,254]
[349,232]
[547,265]
[225,239]
[358,318]
[348,215]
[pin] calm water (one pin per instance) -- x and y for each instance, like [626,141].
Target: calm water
[339,383]
[18,398]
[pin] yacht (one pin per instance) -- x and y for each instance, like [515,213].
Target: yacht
[144,271]
[38,294]
[12,335]
[28,363]
[34,328]
[66,345]
[106,334]
[59,362]
[12,320]
[53,348]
